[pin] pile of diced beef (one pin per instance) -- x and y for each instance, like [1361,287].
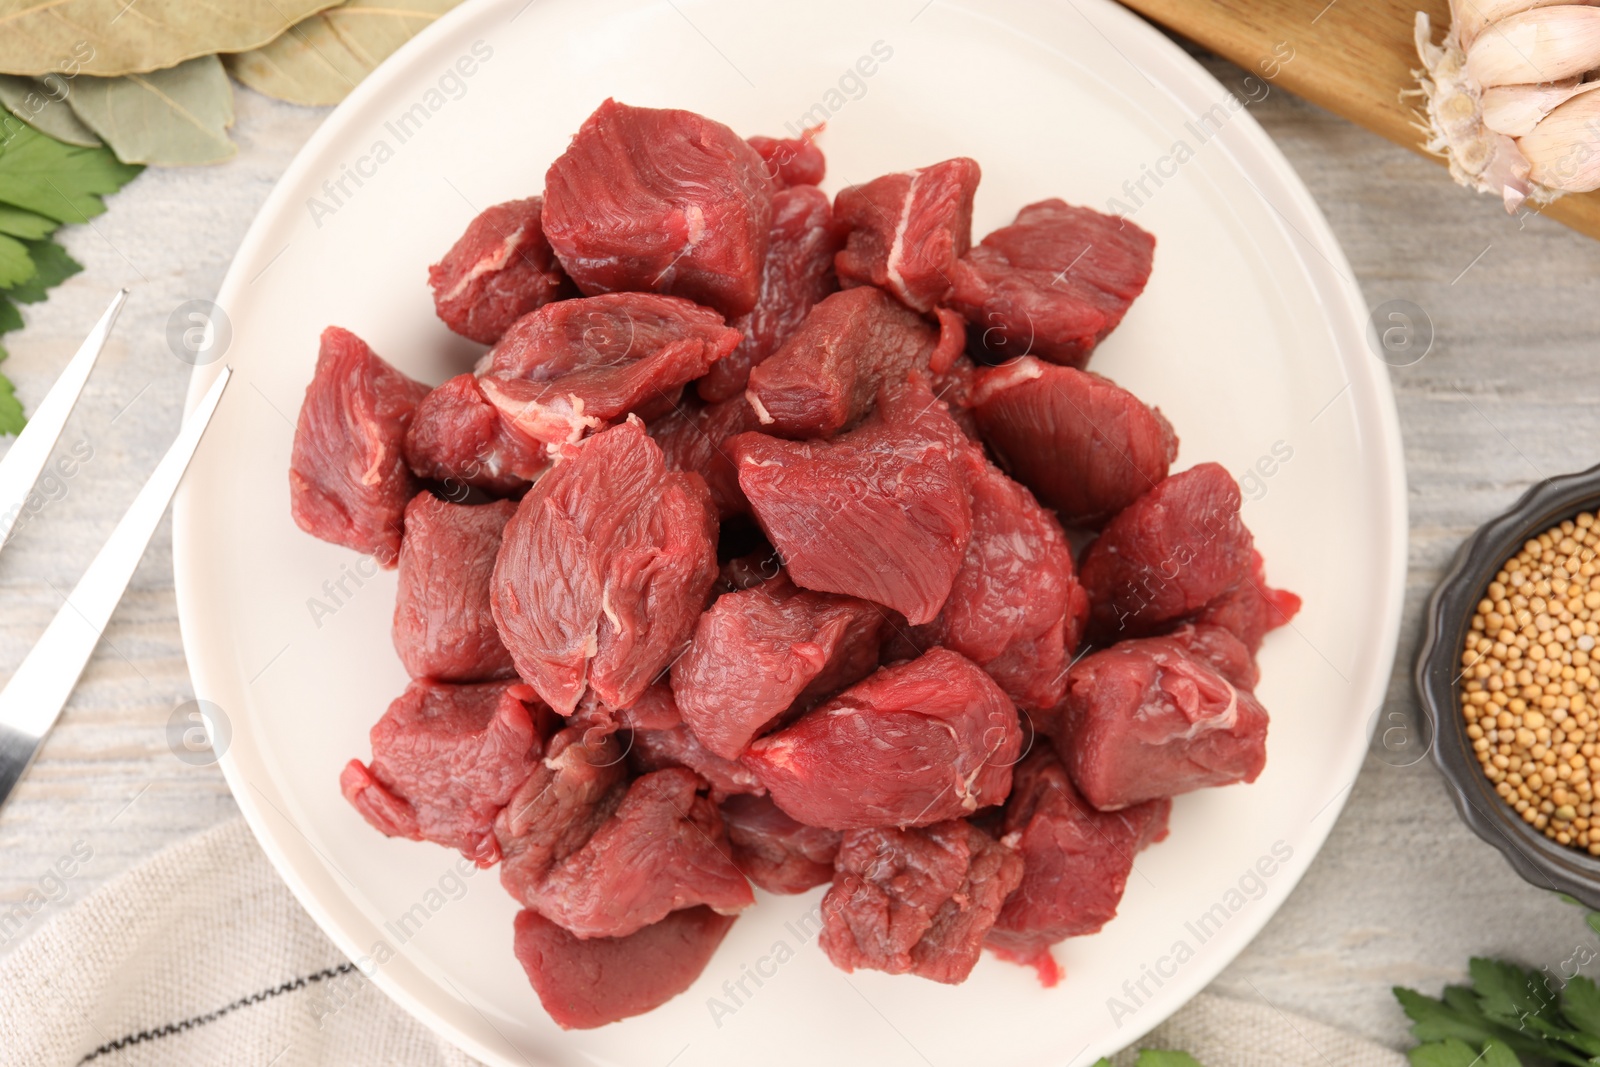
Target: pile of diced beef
[743,556]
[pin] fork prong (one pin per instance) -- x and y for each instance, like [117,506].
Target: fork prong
[22,464]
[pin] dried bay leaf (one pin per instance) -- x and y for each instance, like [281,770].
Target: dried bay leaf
[109,38]
[167,117]
[318,61]
[44,108]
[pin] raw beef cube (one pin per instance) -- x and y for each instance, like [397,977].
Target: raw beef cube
[655,747]
[1087,447]
[585,983]
[797,275]
[908,230]
[573,365]
[695,438]
[1076,861]
[1016,609]
[569,795]
[881,513]
[914,744]
[1168,554]
[445,760]
[655,200]
[458,439]
[1251,608]
[954,390]
[749,571]
[916,901]
[952,344]
[664,849]
[758,652]
[792,160]
[443,624]
[604,570]
[654,710]
[775,852]
[348,479]
[501,269]
[1145,719]
[1217,647]
[828,374]
[1053,283]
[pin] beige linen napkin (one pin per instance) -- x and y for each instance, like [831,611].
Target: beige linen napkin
[201,956]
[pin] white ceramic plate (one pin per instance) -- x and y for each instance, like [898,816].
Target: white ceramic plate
[1250,337]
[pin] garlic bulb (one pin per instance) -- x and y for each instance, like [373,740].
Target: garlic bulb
[1508,96]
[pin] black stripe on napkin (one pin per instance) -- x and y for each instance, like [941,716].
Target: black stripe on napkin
[200,1020]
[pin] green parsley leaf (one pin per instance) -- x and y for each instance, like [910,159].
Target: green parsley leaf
[1451,1053]
[10,316]
[1509,995]
[25,224]
[11,417]
[16,266]
[1497,1055]
[1580,1003]
[1156,1058]
[54,267]
[65,182]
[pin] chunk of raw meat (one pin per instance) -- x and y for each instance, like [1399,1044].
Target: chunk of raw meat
[574,365]
[775,852]
[664,849]
[759,652]
[909,230]
[1217,647]
[443,624]
[1145,719]
[348,479]
[749,571]
[916,901]
[654,710]
[501,269]
[458,439]
[1087,447]
[656,200]
[1168,554]
[828,374]
[569,795]
[798,273]
[445,760]
[1015,609]
[695,438]
[1251,608]
[792,161]
[914,744]
[1076,861]
[881,513]
[585,983]
[658,747]
[604,570]
[952,345]
[1052,284]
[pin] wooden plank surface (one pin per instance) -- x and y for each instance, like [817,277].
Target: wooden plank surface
[1353,57]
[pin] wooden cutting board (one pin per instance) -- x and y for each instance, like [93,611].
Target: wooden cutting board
[1353,57]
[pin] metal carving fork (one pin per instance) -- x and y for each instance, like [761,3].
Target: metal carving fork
[32,701]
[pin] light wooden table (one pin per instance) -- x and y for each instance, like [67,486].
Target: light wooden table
[1402,892]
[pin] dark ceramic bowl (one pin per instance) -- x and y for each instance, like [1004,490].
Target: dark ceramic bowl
[1537,858]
